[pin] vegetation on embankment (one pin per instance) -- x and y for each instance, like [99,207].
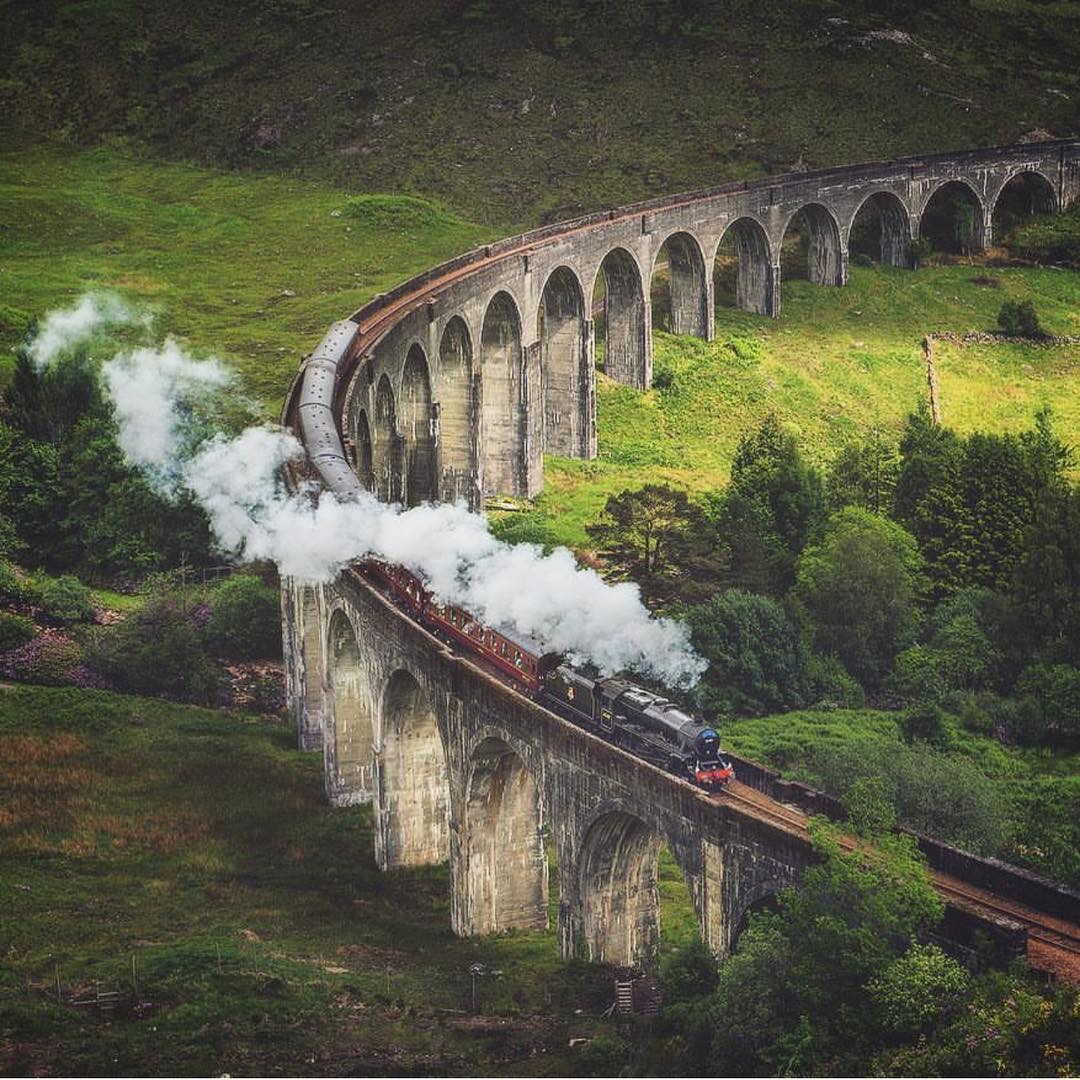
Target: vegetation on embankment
[264,939]
[514,112]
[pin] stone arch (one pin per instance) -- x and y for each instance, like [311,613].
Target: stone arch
[311,715]
[619,892]
[619,292]
[684,303]
[387,444]
[457,413]
[417,422]
[365,460]
[819,232]
[414,787]
[953,218]
[349,743]
[501,367]
[881,229]
[761,898]
[743,255]
[506,880]
[1023,195]
[565,363]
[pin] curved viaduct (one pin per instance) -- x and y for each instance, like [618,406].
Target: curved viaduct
[453,386]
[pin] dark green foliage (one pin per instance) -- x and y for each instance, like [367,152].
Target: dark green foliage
[66,599]
[864,475]
[753,654]
[14,631]
[792,998]
[770,509]
[1050,705]
[14,587]
[75,503]
[1047,580]
[827,684]
[1018,318]
[245,619]
[860,588]
[917,676]
[155,651]
[655,536]
[935,792]
[969,501]
[1049,240]
[925,723]
[870,811]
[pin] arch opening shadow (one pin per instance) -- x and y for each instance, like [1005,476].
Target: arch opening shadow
[811,248]
[619,894]
[1024,196]
[353,741]
[768,902]
[678,290]
[507,864]
[457,413]
[502,428]
[414,785]
[741,268]
[618,306]
[387,445]
[881,231]
[365,459]
[953,220]
[562,331]
[418,428]
[313,704]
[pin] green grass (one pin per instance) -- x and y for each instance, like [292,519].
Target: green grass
[211,253]
[837,364]
[264,938]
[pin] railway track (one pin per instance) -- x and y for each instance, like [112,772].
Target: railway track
[1053,943]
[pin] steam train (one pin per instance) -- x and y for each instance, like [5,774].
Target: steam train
[645,724]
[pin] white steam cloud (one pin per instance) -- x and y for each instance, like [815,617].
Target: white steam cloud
[238,483]
[64,328]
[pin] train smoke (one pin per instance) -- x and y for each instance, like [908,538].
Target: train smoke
[64,328]
[311,535]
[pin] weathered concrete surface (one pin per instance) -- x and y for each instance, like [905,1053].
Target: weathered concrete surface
[481,366]
[458,765]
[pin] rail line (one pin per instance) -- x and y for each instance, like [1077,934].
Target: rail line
[1053,943]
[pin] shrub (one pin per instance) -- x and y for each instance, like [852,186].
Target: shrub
[916,676]
[1018,318]
[14,588]
[49,659]
[925,723]
[829,686]
[1049,704]
[14,631]
[67,600]
[245,619]
[158,652]
[664,379]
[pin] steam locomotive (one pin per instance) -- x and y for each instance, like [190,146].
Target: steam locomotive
[645,724]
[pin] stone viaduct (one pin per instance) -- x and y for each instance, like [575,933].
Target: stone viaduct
[452,387]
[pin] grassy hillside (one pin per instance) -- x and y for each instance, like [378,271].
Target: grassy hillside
[515,112]
[216,255]
[837,364]
[252,268]
[264,940]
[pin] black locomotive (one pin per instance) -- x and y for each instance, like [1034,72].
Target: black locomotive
[645,724]
[649,726]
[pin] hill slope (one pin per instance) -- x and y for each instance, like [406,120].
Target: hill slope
[515,112]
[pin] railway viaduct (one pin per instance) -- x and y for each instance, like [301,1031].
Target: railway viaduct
[451,387]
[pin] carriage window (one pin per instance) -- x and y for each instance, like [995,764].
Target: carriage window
[504,650]
[517,658]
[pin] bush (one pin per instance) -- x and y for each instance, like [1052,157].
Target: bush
[664,379]
[916,676]
[925,723]
[829,686]
[67,600]
[1049,709]
[50,659]
[1018,318]
[155,652]
[14,631]
[14,588]
[245,619]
